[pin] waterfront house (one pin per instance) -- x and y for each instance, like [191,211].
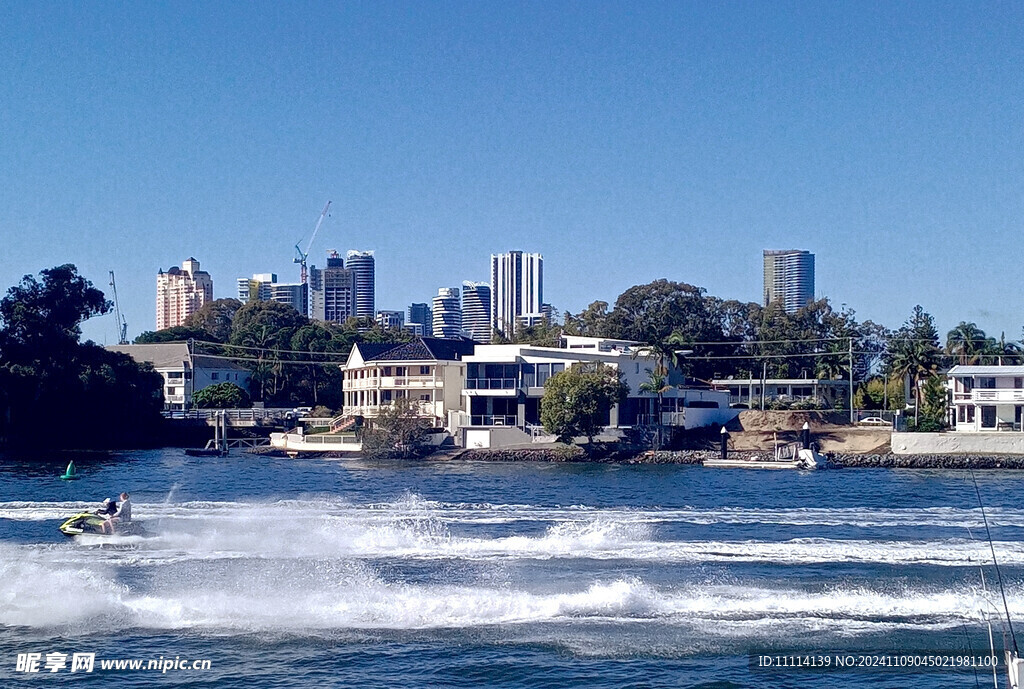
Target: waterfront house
[504,385]
[184,373]
[747,392]
[985,398]
[429,370]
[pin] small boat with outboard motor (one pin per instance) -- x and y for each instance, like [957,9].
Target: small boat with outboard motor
[790,456]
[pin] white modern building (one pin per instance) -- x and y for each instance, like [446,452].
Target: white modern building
[265,287]
[362,265]
[517,289]
[505,383]
[788,278]
[394,320]
[429,371]
[986,398]
[476,310]
[184,373]
[180,292]
[447,313]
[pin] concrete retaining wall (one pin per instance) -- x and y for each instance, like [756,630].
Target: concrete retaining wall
[958,443]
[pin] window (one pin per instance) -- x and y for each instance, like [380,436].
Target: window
[178,375]
[968,384]
[385,396]
[425,397]
[987,383]
[171,392]
[214,376]
[400,371]
[387,370]
[970,414]
[961,414]
[1018,383]
[424,370]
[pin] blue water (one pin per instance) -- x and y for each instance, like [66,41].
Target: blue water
[296,573]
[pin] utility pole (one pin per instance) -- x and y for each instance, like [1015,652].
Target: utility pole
[851,380]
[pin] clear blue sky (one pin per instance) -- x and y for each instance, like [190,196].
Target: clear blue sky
[624,141]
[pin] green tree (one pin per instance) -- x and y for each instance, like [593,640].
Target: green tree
[967,343]
[396,431]
[577,401]
[222,396]
[591,322]
[44,367]
[914,352]
[215,319]
[178,333]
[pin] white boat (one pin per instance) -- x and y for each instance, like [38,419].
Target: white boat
[791,456]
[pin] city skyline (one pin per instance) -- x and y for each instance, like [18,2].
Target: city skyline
[669,140]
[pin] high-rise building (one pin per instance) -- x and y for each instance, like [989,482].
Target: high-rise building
[257,287]
[332,291]
[180,292]
[517,289]
[447,313]
[265,287]
[788,278]
[295,294]
[361,263]
[423,315]
[476,310]
[391,319]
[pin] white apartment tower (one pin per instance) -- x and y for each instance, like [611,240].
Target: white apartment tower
[447,313]
[788,278]
[180,292]
[517,289]
[361,263]
[476,310]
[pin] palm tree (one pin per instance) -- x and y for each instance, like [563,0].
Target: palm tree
[657,383]
[966,342]
[914,358]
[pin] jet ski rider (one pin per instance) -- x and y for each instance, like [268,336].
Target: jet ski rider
[123,513]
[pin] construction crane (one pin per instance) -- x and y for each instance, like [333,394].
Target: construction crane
[122,324]
[301,255]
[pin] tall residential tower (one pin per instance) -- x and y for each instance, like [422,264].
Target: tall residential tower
[476,310]
[517,289]
[447,313]
[361,263]
[788,278]
[180,292]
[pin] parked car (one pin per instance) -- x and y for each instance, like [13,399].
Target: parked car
[873,421]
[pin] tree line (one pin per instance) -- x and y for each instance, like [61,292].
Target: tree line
[57,392]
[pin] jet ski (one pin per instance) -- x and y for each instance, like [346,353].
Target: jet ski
[92,523]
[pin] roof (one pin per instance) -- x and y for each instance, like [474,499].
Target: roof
[420,349]
[161,355]
[987,371]
[173,355]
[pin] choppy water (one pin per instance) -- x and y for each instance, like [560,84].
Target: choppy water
[293,573]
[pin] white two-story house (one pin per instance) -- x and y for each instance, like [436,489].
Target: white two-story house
[986,398]
[429,371]
[184,373]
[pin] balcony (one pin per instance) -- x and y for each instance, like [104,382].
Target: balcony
[494,387]
[410,382]
[492,420]
[991,395]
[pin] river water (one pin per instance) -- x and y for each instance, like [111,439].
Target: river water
[296,573]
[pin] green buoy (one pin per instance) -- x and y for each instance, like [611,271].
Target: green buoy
[70,474]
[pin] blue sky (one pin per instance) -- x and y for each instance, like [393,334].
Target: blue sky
[624,141]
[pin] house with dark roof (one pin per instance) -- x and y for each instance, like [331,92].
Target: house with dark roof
[429,371]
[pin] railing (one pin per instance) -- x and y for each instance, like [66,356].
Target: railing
[491,383]
[409,381]
[232,414]
[493,420]
[997,395]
